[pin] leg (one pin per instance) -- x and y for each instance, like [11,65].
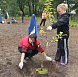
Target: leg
[58,53]
[29,52]
[22,19]
[5,20]
[34,52]
[41,22]
[65,52]
[44,22]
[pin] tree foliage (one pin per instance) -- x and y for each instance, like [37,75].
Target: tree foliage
[14,9]
[49,10]
[32,6]
[76,5]
[21,4]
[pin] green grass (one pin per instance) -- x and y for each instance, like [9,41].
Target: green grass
[30,18]
[73,24]
[27,17]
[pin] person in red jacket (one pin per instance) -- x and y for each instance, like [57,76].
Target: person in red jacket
[28,47]
[43,18]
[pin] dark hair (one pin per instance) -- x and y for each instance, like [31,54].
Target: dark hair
[33,36]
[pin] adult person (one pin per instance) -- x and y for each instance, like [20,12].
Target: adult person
[62,25]
[28,47]
[0,18]
[21,15]
[6,16]
[43,19]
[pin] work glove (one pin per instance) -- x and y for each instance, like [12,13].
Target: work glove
[49,58]
[49,28]
[20,65]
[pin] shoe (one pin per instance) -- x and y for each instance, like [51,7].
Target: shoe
[54,61]
[25,61]
[31,58]
[63,64]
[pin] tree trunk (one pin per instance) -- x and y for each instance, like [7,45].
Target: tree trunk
[35,10]
[29,8]
[33,5]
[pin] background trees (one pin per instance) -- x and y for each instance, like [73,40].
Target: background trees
[32,6]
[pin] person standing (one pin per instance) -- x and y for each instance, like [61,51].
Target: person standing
[21,15]
[43,19]
[6,16]
[0,18]
[62,25]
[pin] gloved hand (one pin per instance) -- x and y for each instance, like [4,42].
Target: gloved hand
[49,28]
[49,58]
[20,65]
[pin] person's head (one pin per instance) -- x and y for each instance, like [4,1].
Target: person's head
[32,38]
[61,8]
[21,12]
[43,11]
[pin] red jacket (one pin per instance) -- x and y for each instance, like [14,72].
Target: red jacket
[24,44]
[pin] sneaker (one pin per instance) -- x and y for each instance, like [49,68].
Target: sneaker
[63,64]
[31,58]
[25,61]
[54,61]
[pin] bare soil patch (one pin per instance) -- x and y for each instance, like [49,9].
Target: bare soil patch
[11,34]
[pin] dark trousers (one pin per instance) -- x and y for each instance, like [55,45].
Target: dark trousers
[29,52]
[43,21]
[62,51]
[22,19]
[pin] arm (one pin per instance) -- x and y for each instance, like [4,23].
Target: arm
[22,57]
[40,49]
[63,20]
[44,54]
[47,58]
